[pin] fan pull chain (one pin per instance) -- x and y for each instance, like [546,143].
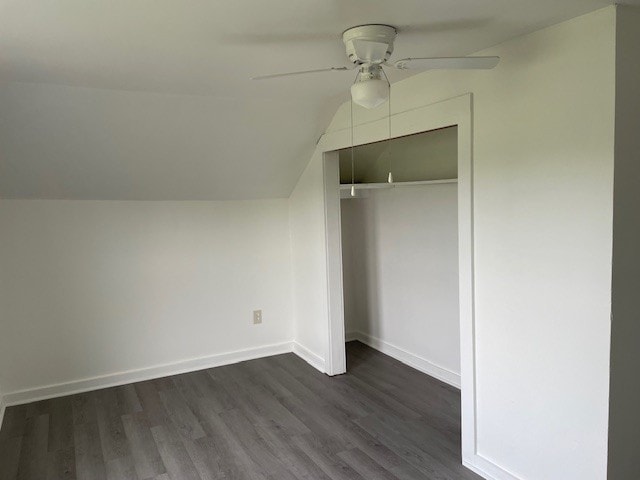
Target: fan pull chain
[390,176]
[353,168]
[353,183]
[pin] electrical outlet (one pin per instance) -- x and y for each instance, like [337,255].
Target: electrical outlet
[257,317]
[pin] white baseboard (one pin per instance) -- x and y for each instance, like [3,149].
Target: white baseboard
[408,358]
[139,375]
[316,361]
[122,378]
[487,469]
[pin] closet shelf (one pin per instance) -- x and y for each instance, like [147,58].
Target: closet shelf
[369,186]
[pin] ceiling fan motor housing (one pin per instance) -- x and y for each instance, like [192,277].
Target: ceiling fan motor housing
[372,44]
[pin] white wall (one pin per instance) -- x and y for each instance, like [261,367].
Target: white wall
[306,216]
[624,427]
[400,257]
[543,186]
[93,288]
[356,268]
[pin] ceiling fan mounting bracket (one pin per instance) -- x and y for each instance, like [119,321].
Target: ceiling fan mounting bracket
[371,44]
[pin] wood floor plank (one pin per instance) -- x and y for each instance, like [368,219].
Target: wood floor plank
[274,418]
[217,394]
[61,464]
[199,386]
[88,449]
[61,424]
[144,451]
[9,457]
[298,389]
[128,401]
[174,455]
[420,457]
[152,405]
[36,409]
[321,388]
[328,427]
[33,454]
[122,469]
[254,399]
[113,440]
[290,456]
[233,459]
[181,415]
[252,443]
[83,407]
[389,376]
[365,465]
[208,459]
[379,400]
[332,465]
[13,424]
[267,380]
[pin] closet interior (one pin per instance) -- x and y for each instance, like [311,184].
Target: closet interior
[400,249]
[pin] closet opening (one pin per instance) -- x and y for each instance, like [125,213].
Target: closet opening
[400,284]
[413,270]
[400,250]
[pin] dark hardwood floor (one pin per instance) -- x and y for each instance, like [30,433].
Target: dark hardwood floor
[275,418]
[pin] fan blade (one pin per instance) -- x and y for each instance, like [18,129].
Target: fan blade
[444,63]
[369,51]
[288,74]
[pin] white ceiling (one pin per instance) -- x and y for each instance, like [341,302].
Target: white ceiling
[151,99]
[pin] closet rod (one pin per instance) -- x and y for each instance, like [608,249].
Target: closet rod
[368,186]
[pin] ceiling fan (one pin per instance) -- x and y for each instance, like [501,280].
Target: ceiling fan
[369,48]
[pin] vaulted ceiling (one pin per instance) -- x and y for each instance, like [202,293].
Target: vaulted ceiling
[151,99]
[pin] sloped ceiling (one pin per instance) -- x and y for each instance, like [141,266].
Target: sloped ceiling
[151,99]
